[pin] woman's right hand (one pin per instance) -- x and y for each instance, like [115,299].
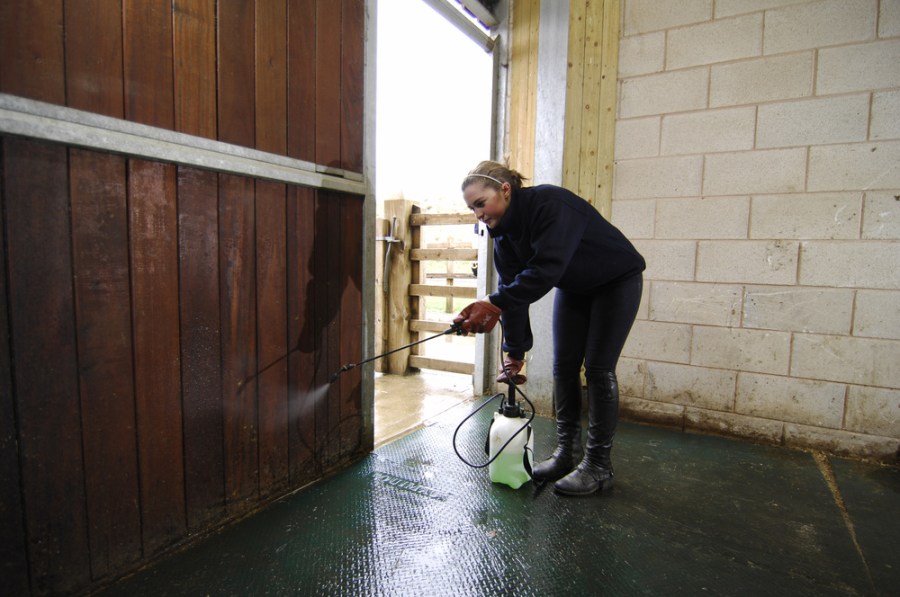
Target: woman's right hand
[479,317]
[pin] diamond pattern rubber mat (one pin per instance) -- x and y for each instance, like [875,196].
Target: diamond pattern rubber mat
[689,515]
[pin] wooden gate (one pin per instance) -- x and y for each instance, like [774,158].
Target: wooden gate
[406,276]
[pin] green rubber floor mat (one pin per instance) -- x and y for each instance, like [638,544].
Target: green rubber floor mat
[689,515]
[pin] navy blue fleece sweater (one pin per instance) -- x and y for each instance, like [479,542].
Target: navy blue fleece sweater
[550,237]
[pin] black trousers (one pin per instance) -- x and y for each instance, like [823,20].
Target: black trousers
[592,329]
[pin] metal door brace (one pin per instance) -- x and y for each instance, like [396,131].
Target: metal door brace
[390,239]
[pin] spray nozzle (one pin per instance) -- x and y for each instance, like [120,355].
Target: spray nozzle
[337,373]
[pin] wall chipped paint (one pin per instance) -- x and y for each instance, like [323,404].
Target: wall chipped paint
[761,180]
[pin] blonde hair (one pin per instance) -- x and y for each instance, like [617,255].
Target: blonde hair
[493,174]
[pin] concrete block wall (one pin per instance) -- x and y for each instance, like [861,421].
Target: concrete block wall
[757,168]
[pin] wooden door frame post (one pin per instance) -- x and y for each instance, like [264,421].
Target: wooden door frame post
[399,278]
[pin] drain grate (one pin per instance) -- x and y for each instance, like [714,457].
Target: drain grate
[407,485]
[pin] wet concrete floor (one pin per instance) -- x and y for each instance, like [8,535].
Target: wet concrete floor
[406,402]
[689,515]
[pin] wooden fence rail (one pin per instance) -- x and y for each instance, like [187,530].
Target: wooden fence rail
[402,288]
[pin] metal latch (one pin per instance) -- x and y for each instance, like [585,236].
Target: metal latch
[390,239]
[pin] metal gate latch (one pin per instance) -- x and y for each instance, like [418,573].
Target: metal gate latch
[390,239]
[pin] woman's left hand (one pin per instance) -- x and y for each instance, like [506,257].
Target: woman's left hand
[510,370]
[479,317]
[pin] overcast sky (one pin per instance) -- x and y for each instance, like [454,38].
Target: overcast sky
[433,106]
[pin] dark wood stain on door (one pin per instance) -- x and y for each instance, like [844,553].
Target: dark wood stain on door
[157,356]
[272,332]
[201,351]
[13,549]
[237,273]
[303,340]
[105,359]
[45,374]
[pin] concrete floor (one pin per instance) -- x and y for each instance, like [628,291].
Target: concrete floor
[405,403]
[689,515]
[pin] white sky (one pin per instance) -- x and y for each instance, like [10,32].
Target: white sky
[433,106]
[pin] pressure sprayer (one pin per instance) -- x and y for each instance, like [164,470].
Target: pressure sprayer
[510,442]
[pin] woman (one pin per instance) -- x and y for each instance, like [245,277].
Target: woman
[545,237]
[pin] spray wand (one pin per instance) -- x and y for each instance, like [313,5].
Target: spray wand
[456,328]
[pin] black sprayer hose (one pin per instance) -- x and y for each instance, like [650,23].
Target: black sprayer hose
[513,388]
[503,447]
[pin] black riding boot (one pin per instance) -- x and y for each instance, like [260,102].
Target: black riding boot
[567,402]
[595,470]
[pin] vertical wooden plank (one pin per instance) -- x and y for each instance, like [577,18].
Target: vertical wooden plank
[574,95]
[301,98]
[272,382]
[590,110]
[416,276]
[271,76]
[149,69]
[301,320]
[236,45]
[382,229]
[238,308]
[154,280]
[31,50]
[591,101]
[609,72]
[319,286]
[45,376]
[353,36]
[529,123]
[335,284]
[398,301]
[102,301]
[194,51]
[351,322]
[523,84]
[328,83]
[534,25]
[13,549]
[518,77]
[198,250]
[94,75]
[326,273]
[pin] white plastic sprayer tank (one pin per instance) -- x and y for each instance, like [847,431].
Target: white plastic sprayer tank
[509,467]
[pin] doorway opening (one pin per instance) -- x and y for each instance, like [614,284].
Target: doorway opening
[434,100]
